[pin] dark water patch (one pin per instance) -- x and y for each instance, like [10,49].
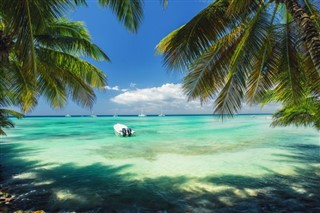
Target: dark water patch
[300,153]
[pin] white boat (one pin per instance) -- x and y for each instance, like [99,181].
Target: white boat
[67,115]
[161,114]
[122,130]
[92,114]
[142,114]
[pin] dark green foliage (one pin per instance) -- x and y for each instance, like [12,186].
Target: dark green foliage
[247,51]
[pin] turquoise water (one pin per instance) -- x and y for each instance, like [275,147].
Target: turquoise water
[172,164]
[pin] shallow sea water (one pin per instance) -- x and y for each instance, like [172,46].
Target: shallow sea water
[172,164]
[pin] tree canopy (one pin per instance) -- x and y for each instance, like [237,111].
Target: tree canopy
[44,54]
[249,51]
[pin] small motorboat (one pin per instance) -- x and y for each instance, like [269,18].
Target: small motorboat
[122,130]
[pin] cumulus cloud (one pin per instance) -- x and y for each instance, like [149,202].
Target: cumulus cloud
[171,99]
[168,96]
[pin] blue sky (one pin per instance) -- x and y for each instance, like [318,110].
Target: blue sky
[137,79]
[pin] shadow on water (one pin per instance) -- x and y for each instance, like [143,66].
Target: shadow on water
[102,188]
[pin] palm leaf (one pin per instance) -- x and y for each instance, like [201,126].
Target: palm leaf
[23,85]
[52,86]
[312,76]
[72,38]
[129,12]
[186,44]
[290,75]
[265,64]
[4,121]
[77,75]
[313,11]
[307,113]
[241,7]
[27,17]
[207,74]
[230,98]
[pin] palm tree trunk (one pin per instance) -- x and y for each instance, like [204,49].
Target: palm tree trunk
[307,27]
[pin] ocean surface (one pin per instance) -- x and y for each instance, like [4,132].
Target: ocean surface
[172,164]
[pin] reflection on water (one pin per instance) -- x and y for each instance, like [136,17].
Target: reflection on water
[173,164]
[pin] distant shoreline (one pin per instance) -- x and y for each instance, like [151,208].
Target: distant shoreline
[151,115]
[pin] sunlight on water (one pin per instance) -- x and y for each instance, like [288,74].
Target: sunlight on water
[71,158]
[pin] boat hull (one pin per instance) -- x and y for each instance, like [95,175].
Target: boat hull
[122,130]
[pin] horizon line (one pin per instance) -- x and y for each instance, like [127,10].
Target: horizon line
[148,115]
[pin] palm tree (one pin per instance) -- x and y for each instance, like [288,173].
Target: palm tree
[40,53]
[60,71]
[25,17]
[235,51]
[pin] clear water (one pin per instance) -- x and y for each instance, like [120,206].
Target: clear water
[173,164]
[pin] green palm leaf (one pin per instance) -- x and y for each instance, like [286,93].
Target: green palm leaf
[24,18]
[270,60]
[5,122]
[77,75]
[305,114]
[265,64]
[241,6]
[231,96]
[182,47]
[129,12]
[290,75]
[313,9]
[70,37]
[207,74]
[23,85]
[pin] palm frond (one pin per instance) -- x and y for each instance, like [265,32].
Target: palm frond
[313,10]
[5,122]
[70,37]
[186,44]
[241,6]
[307,113]
[23,86]
[312,76]
[163,45]
[80,2]
[230,98]
[91,74]
[265,64]
[129,12]
[290,76]
[76,75]
[10,112]
[207,74]
[27,17]
[52,86]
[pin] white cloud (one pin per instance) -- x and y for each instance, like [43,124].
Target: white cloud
[170,98]
[115,88]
